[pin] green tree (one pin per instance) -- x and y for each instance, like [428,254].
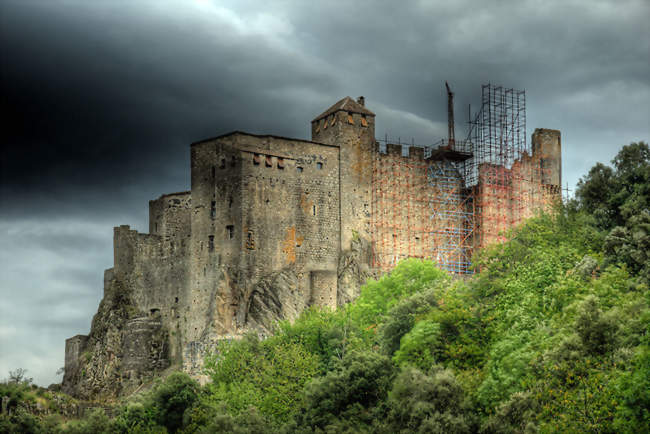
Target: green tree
[172,397]
[427,403]
[348,393]
[401,319]
[268,375]
[613,195]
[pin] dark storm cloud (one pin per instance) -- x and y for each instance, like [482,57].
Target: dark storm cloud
[102,98]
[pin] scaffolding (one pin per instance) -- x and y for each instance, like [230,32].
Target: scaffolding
[507,186]
[420,206]
[452,217]
[448,199]
[399,204]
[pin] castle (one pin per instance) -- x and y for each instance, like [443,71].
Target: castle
[273,225]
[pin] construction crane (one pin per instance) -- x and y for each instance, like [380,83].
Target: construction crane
[451,139]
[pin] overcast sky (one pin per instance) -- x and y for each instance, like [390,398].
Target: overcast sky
[101,99]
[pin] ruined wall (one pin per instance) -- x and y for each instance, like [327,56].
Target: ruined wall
[145,345]
[547,147]
[74,348]
[506,197]
[155,266]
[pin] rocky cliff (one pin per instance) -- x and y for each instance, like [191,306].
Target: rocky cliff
[125,347]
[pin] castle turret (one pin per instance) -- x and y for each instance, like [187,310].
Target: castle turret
[351,126]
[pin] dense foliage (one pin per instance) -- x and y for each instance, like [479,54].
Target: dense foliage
[550,335]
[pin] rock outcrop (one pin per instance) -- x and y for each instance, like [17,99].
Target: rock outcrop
[124,348]
[274,298]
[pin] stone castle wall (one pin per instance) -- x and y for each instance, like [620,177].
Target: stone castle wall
[273,225]
[354,134]
[505,197]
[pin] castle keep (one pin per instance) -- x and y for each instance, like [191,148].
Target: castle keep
[273,225]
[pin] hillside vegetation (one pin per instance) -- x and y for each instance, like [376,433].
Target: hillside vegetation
[550,335]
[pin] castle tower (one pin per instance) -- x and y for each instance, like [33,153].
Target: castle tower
[547,147]
[351,126]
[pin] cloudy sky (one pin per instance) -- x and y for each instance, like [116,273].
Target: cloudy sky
[100,100]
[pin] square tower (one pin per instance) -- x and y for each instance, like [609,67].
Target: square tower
[349,125]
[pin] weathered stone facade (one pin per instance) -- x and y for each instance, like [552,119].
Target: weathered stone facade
[271,226]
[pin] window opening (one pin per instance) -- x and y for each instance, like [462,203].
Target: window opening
[319,166]
[299,169]
[256,159]
[269,161]
[313,209]
[280,163]
[210,243]
[230,230]
[213,209]
[250,241]
[364,121]
[223,163]
[350,119]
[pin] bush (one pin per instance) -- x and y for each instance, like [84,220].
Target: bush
[407,278]
[596,330]
[421,346]
[427,403]
[268,375]
[20,421]
[401,318]
[633,412]
[169,400]
[349,392]
[515,416]
[136,417]
[95,422]
[320,332]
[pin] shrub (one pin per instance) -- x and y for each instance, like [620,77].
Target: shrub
[427,403]
[421,346]
[596,330]
[348,392]
[401,318]
[170,399]
[515,416]
[268,375]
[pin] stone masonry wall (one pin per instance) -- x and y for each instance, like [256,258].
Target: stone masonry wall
[354,133]
[155,266]
[261,204]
